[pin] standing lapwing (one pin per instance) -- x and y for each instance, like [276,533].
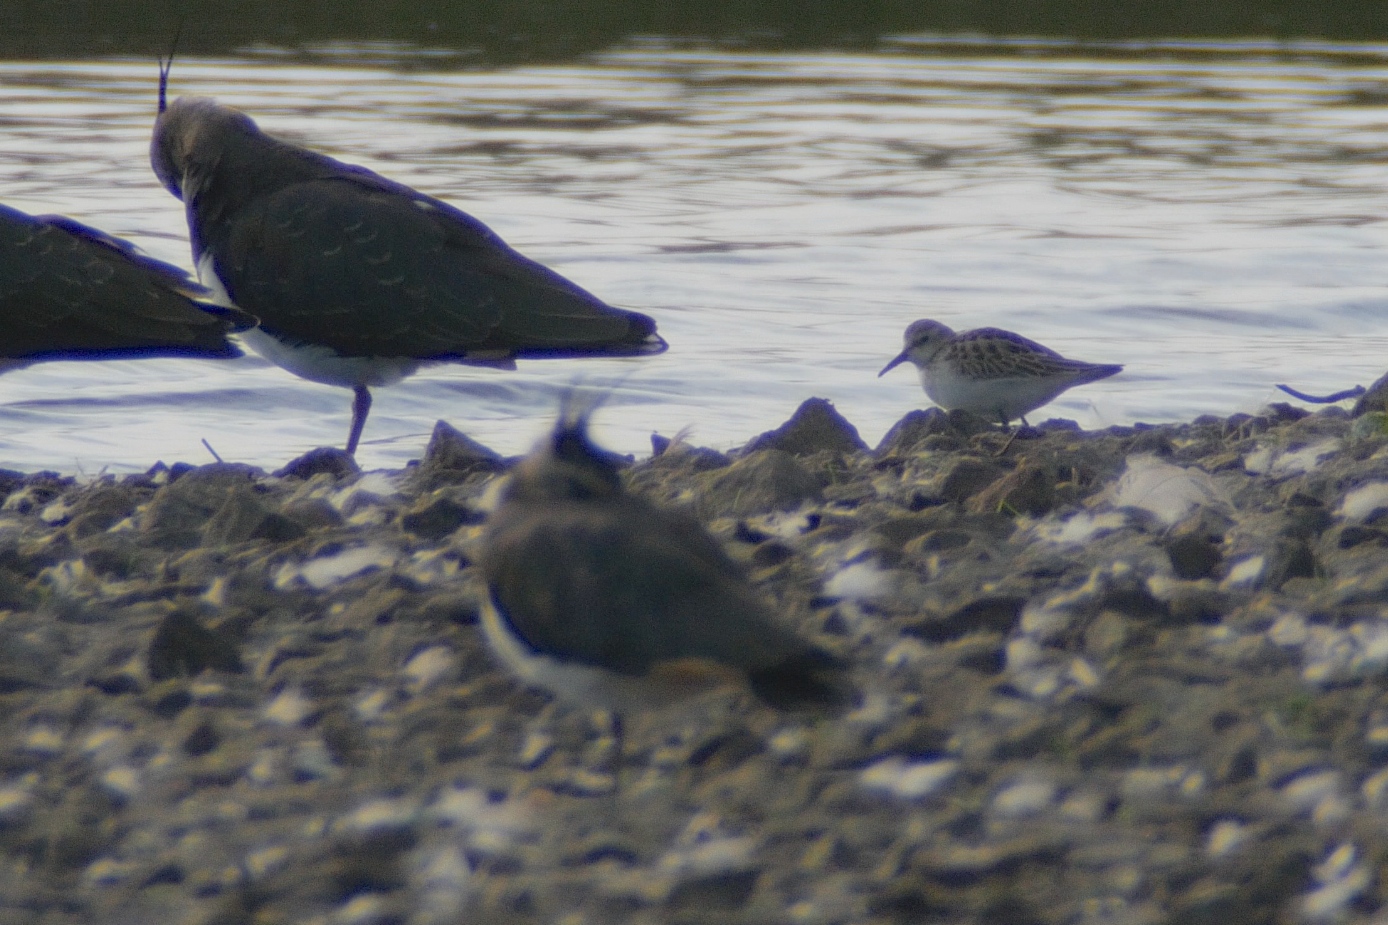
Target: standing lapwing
[70,292]
[611,602]
[358,280]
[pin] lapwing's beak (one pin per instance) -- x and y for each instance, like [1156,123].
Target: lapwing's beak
[901,357]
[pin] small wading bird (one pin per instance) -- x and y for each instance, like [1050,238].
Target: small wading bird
[358,280]
[610,602]
[70,292]
[990,372]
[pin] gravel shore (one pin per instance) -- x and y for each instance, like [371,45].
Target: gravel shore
[1126,676]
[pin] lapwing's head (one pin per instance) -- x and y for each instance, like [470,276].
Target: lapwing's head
[566,466]
[190,135]
[923,340]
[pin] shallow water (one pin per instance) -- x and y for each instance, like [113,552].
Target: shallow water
[1209,215]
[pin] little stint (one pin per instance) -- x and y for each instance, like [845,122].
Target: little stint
[991,372]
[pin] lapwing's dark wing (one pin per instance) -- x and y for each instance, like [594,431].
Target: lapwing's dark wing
[68,291]
[624,586]
[372,269]
[335,254]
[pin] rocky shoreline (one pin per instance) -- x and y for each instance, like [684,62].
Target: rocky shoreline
[1133,675]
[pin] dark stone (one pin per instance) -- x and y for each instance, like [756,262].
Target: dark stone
[1375,399]
[103,507]
[744,533]
[1355,535]
[990,661]
[815,427]
[9,481]
[772,553]
[116,555]
[1128,594]
[180,512]
[312,514]
[164,873]
[1028,489]
[992,614]
[434,519]
[1281,412]
[728,889]
[967,477]
[453,456]
[171,703]
[906,435]
[1193,556]
[116,684]
[37,490]
[372,865]
[659,444]
[183,646]
[901,530]
[338,463]
[769,480]
[240,518]
[941,541]
[1059,426]
[726,749]
[202,739]
[277,528]
[1289,558]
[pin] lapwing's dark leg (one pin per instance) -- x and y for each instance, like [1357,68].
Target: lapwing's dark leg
[361,406]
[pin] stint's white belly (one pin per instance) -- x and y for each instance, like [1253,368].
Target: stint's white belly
[989,398]
[312,362]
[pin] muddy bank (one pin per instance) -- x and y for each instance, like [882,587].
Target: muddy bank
[1124,676]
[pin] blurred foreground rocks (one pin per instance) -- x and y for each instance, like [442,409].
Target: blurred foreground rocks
[1133,675]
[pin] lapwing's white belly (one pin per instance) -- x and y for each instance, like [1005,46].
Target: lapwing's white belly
[990,398]
[311,361]
[579,684]
[321,364]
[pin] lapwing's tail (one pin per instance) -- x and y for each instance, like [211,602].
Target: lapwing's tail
[813,680]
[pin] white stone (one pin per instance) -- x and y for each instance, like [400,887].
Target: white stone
[906,779]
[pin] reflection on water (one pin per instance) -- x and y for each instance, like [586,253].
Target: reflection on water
[1207,214]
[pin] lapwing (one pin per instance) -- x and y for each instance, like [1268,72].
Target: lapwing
[71,292]
[358,280]
[609,601]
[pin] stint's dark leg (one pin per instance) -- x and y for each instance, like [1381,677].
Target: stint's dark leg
[361,406]
[619,748]
[1013,436]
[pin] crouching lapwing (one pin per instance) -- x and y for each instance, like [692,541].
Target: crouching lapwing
[608,601]
[70,292]
[358,280]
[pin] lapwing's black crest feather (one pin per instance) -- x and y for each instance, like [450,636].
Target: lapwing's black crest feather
[69,291]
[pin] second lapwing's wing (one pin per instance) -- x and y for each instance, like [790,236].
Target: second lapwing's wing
[69,291]
[586,574]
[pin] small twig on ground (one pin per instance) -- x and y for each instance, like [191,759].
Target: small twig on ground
[1324,399]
